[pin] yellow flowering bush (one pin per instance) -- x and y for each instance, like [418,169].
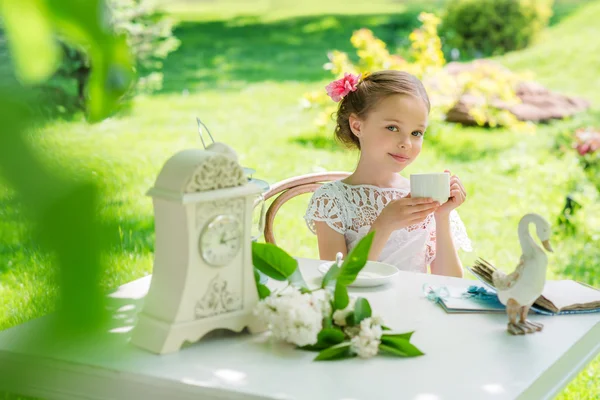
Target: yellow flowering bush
[487,82]
[426,46]
[495,88]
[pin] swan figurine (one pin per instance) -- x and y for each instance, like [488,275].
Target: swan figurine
[520,289]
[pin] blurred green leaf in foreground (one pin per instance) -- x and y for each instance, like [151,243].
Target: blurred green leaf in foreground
[62,209]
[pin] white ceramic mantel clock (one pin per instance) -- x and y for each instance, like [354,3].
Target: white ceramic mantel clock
[202,277]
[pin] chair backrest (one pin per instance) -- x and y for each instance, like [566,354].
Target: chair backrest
[290,188]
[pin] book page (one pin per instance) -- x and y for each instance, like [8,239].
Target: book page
[565,293]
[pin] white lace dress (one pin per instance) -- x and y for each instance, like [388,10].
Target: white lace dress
[351,210]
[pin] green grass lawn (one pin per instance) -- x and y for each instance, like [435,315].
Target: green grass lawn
[244,76]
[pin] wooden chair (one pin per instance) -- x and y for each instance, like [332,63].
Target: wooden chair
[290,188]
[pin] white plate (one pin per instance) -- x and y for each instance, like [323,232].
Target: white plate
[374,273]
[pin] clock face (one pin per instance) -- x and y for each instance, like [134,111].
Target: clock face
[220,240]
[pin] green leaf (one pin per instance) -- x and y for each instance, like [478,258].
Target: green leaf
[362,310]
[350,319]
[297,280]
[340,297]
[31,39]
[356,260]
[405,336]
[273,261]
[330,277]
[336,352]
[326,338]
[311,347]
[385,328]
[402,347]
[263,291]
[392,350]
[331,335]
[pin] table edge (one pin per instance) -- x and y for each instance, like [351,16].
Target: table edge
[562,372]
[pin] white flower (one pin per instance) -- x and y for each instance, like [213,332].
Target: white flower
[339,316]
[324,303]
[292,316]
[366,342]
[371,329]
[376,320]
[352,331]
[363,347]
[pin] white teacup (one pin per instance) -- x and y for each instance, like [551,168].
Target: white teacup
[434,185]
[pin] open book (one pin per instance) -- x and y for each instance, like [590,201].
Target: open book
[558,297]
[460,301]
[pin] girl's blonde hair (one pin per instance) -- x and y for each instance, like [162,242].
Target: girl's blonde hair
[370,91]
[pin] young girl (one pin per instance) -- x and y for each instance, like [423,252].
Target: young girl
[385,115]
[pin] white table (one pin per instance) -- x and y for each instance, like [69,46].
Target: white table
[467,357]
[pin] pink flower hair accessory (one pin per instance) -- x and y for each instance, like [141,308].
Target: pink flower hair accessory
[339,88]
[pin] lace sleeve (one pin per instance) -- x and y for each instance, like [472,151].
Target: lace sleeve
[459,232]
[325,206]
[459,237]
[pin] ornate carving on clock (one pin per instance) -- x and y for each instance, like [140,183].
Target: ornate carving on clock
[217,299]
[217,171]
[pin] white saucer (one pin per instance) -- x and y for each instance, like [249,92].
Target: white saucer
[374,273]
[264,185]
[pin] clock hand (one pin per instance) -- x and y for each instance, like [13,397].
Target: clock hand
[222,239]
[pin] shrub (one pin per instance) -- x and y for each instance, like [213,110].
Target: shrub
[149,35]
[492,27]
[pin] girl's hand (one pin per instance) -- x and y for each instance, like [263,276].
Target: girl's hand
[458,195]
[404,212]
